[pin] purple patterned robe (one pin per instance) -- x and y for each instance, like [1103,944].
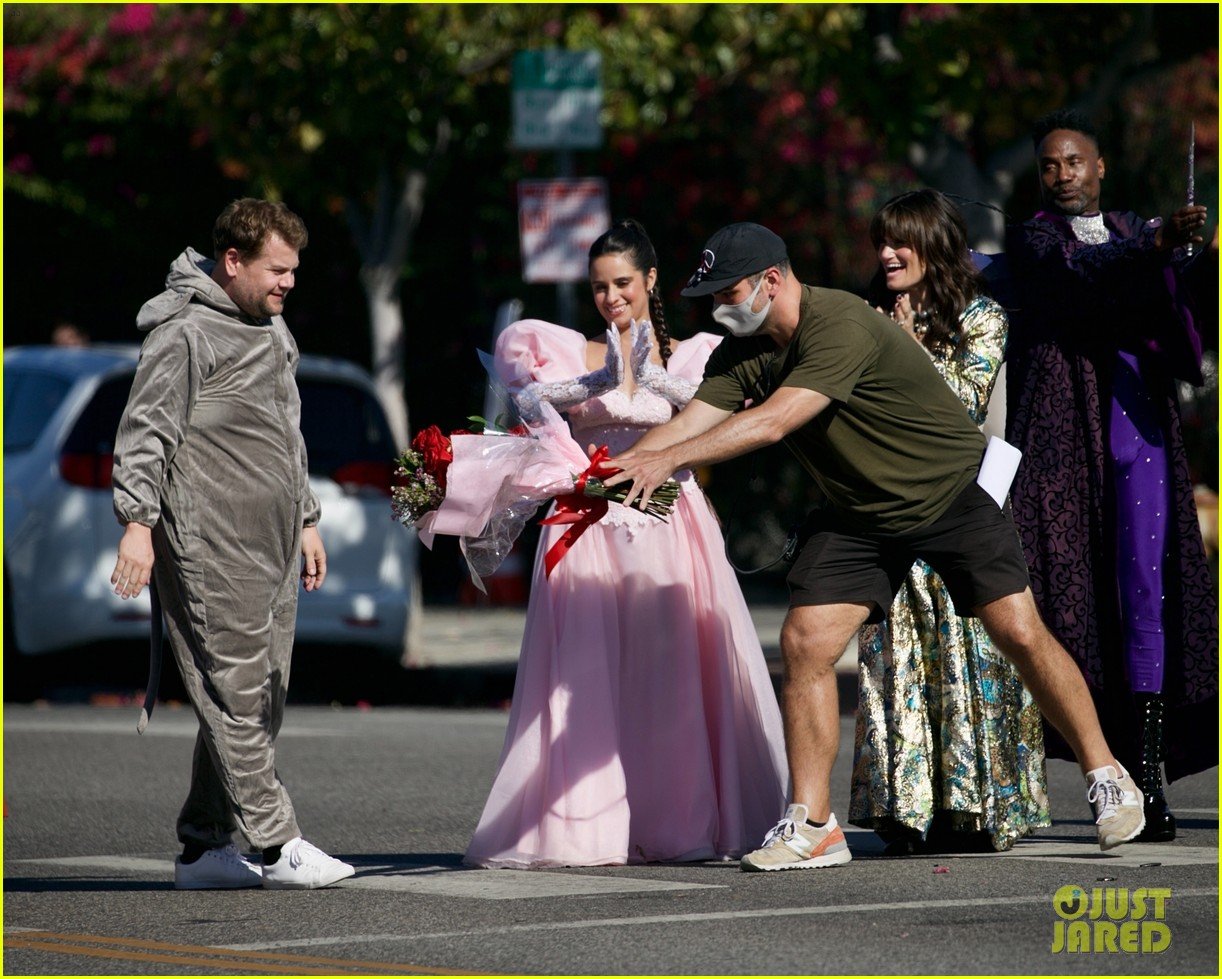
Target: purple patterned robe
[1076,307]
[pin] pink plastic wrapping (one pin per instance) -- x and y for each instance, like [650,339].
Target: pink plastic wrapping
[496,483]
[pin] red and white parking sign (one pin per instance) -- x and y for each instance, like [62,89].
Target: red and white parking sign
[558,221]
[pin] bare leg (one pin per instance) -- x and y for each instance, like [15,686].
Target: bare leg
[813,638]
[1050,674]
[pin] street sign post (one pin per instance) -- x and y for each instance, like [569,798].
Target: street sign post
[557,96]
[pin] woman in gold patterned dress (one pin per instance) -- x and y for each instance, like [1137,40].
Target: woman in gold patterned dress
[949,750]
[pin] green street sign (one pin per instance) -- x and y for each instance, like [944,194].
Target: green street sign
[557,96]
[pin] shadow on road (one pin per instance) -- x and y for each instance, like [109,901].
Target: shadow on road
[116,674]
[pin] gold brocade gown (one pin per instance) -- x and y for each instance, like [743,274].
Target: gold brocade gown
[945,728]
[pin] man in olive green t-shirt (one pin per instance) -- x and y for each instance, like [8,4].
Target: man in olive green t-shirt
[898,449]
[897,458]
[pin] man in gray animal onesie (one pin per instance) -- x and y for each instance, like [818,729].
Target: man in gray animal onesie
[210,481]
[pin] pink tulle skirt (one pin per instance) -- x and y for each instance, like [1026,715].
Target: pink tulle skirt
[644,725]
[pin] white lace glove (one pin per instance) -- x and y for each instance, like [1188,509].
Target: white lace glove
[564,394]
[649,375]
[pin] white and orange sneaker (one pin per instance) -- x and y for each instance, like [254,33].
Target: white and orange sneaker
[1119,809]
[793,844]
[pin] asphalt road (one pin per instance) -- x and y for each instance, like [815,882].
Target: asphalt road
[88,850]
[460,656]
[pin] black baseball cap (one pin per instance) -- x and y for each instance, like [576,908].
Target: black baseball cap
[733,253]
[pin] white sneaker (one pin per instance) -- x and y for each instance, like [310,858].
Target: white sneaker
[222,868]
[302,866]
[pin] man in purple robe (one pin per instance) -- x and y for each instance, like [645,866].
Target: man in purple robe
[1101,328]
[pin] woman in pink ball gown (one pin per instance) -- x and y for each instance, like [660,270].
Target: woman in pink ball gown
[644,725]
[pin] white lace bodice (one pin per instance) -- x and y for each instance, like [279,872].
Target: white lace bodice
[617,421]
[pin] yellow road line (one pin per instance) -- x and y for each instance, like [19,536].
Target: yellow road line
[226,966]
[134,949]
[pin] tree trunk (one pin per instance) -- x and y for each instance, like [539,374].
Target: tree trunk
[386,328]
[383,245]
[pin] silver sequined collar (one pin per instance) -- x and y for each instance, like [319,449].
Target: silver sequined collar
[1089,228]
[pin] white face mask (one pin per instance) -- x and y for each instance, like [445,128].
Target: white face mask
[738,318]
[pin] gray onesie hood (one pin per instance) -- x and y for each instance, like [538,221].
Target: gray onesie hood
[190,279]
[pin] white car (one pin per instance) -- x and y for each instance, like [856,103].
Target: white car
[61,411]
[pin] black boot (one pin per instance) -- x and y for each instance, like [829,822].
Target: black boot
[1160,824]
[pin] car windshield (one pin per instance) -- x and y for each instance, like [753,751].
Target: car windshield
[342,424]
[30,399]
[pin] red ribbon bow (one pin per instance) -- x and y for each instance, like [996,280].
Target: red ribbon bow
[578,510]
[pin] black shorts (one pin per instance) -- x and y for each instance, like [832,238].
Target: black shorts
[973,546]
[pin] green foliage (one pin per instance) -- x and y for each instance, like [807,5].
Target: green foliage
[803,112]
[323,99]
[85,104]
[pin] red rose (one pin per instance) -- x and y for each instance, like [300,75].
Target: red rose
[520,430]
[435,451]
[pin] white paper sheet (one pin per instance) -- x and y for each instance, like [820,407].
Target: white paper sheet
[997,469]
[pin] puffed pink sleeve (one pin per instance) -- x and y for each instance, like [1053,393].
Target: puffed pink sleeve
[535,350]
[693,353]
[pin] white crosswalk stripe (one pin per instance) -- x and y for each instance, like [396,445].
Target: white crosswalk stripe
[505,885]
[510,885]
[1129,855]
[488,885]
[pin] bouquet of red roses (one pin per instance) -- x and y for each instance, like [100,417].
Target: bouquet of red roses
[482,486]
[420,471]
[420,476]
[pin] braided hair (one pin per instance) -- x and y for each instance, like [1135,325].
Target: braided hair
[927,222]
[628,238]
